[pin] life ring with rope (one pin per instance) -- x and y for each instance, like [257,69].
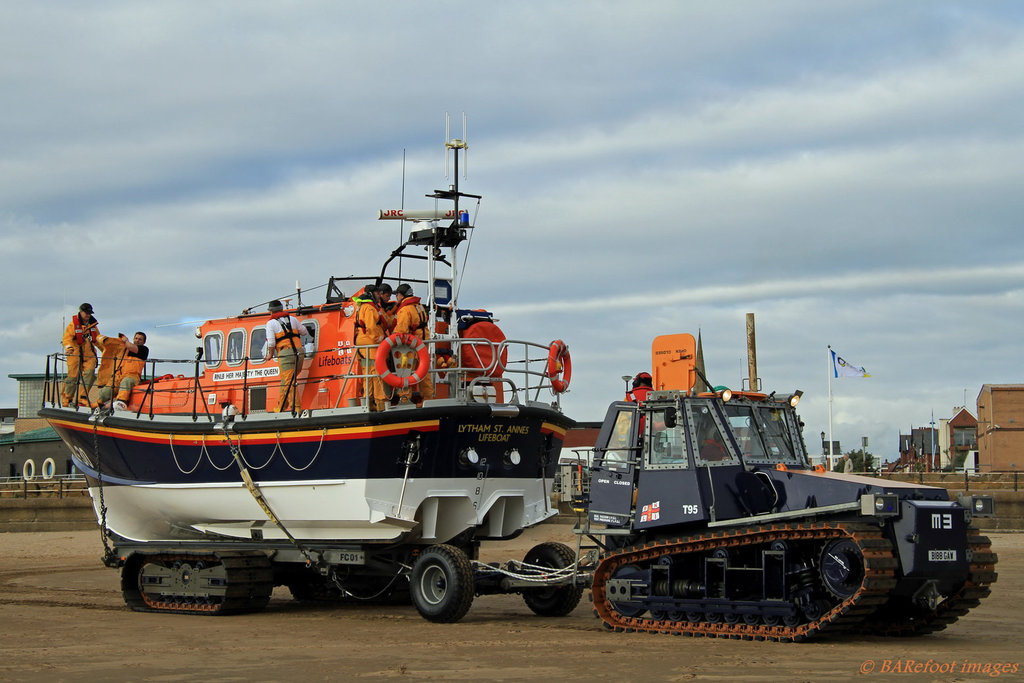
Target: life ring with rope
[559,366]
[389,346]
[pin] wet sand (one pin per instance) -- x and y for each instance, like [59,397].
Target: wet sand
[63,619]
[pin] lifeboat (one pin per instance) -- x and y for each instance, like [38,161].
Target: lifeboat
[200,459]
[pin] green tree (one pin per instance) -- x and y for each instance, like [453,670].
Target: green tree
[863,461]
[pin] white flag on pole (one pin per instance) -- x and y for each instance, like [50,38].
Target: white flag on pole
[840,368]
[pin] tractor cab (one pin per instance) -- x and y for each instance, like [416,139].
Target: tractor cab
[684,456]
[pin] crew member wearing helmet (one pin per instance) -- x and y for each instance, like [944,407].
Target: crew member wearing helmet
[370,333]
[79,336]
[641,387]
[288,335]
[411,318]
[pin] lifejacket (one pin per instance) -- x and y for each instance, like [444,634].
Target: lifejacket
[411,307]
[285,338]
[369,336]
[82,331]
[639,394]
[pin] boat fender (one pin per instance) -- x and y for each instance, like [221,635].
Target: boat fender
[559,366]
[385,350]
[28,470]
[49,468]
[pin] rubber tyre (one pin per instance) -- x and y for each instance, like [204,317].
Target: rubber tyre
[553,601]
[441,584]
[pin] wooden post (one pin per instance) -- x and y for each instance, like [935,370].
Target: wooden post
[751,353]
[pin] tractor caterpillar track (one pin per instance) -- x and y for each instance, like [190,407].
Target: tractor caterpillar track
[897,619]
[880,566]
[208,583]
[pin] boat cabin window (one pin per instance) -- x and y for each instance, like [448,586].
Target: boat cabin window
[666,446]
[257,344]
[620,448]
[213,345]
[236,347]
[312,326]
[708,436]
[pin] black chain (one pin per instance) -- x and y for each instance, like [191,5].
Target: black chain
[109,558]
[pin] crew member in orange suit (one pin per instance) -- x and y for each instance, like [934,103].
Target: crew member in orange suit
[641,387]
[387,308]
[79,336]
[288,335]
[369,332]
[411,318]
[130,364]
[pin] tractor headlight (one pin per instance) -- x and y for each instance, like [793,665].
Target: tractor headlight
[978,506]
[880,504]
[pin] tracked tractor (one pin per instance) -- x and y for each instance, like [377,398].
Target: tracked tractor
[711,521]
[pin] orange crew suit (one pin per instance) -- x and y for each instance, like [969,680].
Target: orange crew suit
[369,331]
[412,318]
[78,340]
[287,333]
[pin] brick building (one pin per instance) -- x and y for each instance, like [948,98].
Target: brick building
[958,436]
[1001,427]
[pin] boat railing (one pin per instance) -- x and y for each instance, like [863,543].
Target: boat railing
[473,370]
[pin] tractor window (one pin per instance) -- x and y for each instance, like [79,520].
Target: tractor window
[744,430]
[666,446]
[778,435]
[706,432]
[619,448]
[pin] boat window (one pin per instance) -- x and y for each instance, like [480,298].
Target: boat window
[619,449]
[236,347]
[257,344]
[666,446]
[706,433]
[778,429]
[312,326]
[213,345]
[744,430]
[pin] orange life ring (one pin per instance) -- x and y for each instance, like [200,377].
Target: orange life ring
[559,366]
[384,351]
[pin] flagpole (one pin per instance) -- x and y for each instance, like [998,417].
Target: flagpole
[829,457]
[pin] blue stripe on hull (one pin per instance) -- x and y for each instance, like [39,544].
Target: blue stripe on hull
[185,459]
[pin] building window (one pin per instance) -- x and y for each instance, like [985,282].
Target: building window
[30,397]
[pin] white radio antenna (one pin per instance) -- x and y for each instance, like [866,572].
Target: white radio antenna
[457,143]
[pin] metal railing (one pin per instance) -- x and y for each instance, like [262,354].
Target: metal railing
[519,367]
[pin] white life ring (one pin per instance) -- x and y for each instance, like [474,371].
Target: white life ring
[28,470]
[49,468]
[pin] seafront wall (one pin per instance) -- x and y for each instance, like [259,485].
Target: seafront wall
[65,505]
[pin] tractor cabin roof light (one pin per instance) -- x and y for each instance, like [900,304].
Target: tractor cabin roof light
[794,398]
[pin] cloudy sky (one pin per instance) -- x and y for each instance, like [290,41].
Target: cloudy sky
[847,171]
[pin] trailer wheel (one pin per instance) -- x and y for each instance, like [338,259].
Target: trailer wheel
[441,584]
[552,601]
